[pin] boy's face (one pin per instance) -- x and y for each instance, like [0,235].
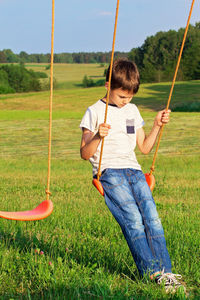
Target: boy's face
[120,97]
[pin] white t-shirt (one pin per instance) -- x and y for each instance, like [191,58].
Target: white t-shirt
[119,144]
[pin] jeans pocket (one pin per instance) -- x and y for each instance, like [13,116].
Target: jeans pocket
[137,174]
[112,178]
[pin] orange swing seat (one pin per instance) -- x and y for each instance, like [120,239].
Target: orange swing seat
[150,179]
[43,210]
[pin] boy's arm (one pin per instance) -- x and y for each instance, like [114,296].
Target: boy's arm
[146,143]
[90,141]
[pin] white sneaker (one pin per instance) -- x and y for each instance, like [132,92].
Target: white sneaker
[171,282]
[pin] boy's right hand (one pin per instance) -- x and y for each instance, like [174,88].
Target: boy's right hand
[103,130]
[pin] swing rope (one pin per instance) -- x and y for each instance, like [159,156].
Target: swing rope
[48,193]
[172,87]
[109,85]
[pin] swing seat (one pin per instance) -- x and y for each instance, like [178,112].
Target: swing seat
[150,179]
[43,210]
[98,186]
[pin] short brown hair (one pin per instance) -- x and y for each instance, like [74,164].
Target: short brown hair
[125,75]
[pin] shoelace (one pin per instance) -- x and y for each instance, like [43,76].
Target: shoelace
[169,279]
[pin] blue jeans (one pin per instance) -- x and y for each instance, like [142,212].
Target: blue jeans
[130,200]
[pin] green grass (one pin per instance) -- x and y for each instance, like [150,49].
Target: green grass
[71,75]
[84,255]
[188,107]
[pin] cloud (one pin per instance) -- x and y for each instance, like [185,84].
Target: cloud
[105,13]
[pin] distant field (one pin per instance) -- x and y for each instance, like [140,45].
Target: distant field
[84,255]
[70,75]
[150,97]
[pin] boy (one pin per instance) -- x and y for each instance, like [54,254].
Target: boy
[126,192]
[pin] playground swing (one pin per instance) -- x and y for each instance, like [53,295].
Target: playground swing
[45,208]
[149,176]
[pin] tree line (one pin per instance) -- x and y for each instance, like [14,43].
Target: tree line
[7,56]
[157,57]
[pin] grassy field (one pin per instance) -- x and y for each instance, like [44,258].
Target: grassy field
[79,252]
[71,75]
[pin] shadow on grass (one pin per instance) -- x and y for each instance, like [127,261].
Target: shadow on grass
[99,291]
[158,94]
[93,292]
[26,242]
[97,76]
[76,288]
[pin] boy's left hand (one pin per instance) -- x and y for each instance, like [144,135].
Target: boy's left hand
[162,117]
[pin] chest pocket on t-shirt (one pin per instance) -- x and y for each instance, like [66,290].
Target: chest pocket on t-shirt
[130,126]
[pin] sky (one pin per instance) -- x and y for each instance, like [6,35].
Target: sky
[87,25]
